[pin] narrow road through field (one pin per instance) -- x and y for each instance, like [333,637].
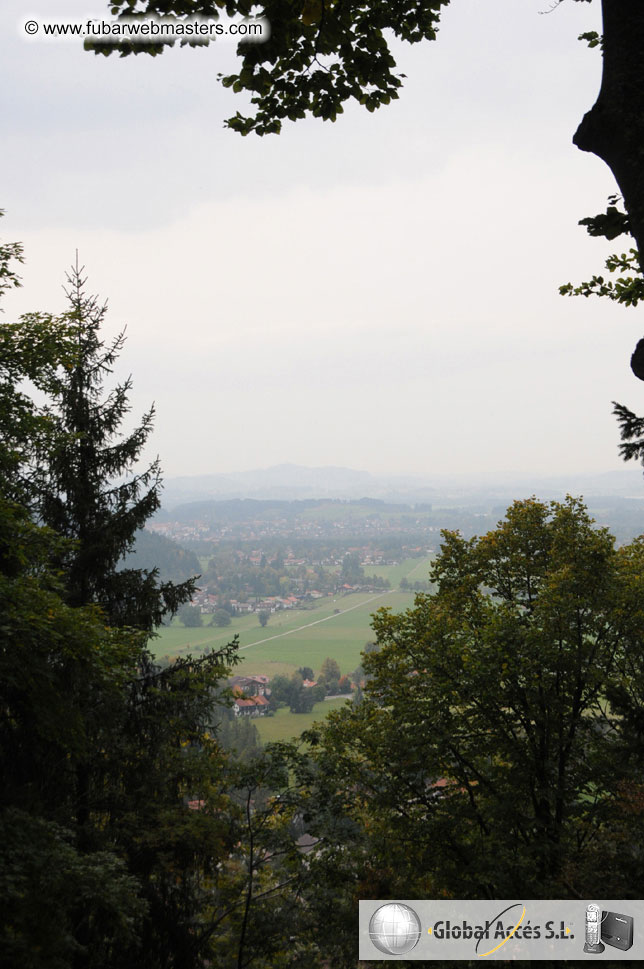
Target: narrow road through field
[333,615]
[416,567]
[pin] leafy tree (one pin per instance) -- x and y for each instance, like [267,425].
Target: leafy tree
[330,671]
[221,617]
[306,672]
[302,699]
[278,560]
[487,736]
[61,674]
[269,879]
[359,675]
[263,618]
[351,572]
[10,254]
[163,800]
[337,861]
[292,693]
[239,735]
[295,691]
[318,692]
[280,692]
[42,872]
[190,616]
[80,498]
[34,350]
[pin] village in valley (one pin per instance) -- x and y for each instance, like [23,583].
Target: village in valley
[296,583]
[265,557]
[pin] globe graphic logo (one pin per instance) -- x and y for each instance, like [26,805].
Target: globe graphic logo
[394,928]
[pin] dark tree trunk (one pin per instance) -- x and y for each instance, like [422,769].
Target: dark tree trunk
[614,127]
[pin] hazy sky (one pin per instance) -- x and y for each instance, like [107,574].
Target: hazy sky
[380,293]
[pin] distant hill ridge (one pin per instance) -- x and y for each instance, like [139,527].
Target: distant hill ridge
[290,482]
[245,509]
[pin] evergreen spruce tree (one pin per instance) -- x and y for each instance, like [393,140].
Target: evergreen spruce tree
[91,493]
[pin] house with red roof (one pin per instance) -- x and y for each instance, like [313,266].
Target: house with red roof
[250,706]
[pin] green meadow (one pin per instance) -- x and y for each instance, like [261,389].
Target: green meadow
[301,637]
[416,570]
[338,627]
[285,725]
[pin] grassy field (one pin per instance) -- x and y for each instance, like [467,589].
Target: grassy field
[306,639]
[334,627]
[337,627]
[291,639]
[416,570]
[286,725]
[177,640]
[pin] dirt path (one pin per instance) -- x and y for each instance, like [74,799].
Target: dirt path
[416,567]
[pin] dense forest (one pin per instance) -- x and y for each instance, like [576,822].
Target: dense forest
[150,551]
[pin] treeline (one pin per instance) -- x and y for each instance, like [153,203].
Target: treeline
[416,585]
[292,693]
[495,749]
[315,549]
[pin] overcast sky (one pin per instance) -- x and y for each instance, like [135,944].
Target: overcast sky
[380,293]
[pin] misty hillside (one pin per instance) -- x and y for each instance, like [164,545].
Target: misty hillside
[289,482]
[175,564]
